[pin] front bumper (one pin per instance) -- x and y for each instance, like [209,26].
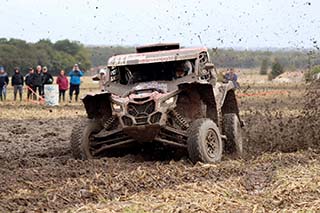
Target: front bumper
[144,133]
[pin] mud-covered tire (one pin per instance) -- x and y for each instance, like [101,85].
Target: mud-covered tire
[232,129]
[79,140]
[204,141]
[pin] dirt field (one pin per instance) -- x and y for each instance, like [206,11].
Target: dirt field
[280,171]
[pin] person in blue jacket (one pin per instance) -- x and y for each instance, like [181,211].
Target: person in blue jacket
[232,76]
[75,80]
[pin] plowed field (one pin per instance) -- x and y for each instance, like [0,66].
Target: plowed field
[280,169]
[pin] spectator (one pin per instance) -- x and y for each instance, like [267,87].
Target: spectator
[75,80]
[46,79]
[63,82]
[37,81]
[102,79]
[231,76]
[17,83]
[4,81]
[29,82]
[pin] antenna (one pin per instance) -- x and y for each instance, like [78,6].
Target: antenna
[200,39]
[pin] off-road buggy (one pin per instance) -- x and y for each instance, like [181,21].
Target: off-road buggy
[162,94]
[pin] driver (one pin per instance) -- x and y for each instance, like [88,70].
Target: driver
[179,72]
[187,66]
[183,69]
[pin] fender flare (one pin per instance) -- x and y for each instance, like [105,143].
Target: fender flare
[229,103]
[97,105]
[206,92]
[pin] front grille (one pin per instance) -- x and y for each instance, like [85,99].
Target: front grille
[127,121]
[141,110]
[142,120]
[155,118]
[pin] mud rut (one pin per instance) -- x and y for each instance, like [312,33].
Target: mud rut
[37,171]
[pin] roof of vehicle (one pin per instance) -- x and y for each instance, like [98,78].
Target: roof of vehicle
[155,56]
[157,47]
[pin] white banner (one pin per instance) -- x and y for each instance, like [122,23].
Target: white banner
[51,94]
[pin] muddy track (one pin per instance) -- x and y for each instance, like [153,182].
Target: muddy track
[37,171]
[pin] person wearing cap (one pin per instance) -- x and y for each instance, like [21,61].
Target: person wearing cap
[75,80]
[29,82]
[37,81]
[17,83]
[4,80]
[46,79]
[63,83]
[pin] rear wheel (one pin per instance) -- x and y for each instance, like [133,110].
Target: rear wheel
[204,141]
[232,129]
[81,138]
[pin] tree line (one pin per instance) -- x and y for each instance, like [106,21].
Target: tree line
[62,54]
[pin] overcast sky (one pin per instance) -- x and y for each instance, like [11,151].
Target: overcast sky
[224,23]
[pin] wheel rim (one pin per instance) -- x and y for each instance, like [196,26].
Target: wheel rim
[212,145]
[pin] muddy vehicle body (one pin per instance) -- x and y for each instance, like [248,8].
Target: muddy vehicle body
[162,94]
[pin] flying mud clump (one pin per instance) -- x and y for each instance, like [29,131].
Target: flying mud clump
[286,124]
[310,123]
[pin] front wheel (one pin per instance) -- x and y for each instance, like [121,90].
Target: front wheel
[204,141]
[81,138]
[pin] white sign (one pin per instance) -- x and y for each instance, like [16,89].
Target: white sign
[51,95]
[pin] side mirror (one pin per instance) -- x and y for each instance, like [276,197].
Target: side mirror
[102,72]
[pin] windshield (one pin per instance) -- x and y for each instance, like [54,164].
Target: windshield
[165,71]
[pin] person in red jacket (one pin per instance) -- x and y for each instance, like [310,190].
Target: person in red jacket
[63,83]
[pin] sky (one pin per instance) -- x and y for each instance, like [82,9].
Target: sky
[245,24]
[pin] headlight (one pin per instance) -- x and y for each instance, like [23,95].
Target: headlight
[169,101]
[116,106]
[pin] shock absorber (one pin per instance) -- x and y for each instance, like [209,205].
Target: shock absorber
[179,120]
[108,124]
